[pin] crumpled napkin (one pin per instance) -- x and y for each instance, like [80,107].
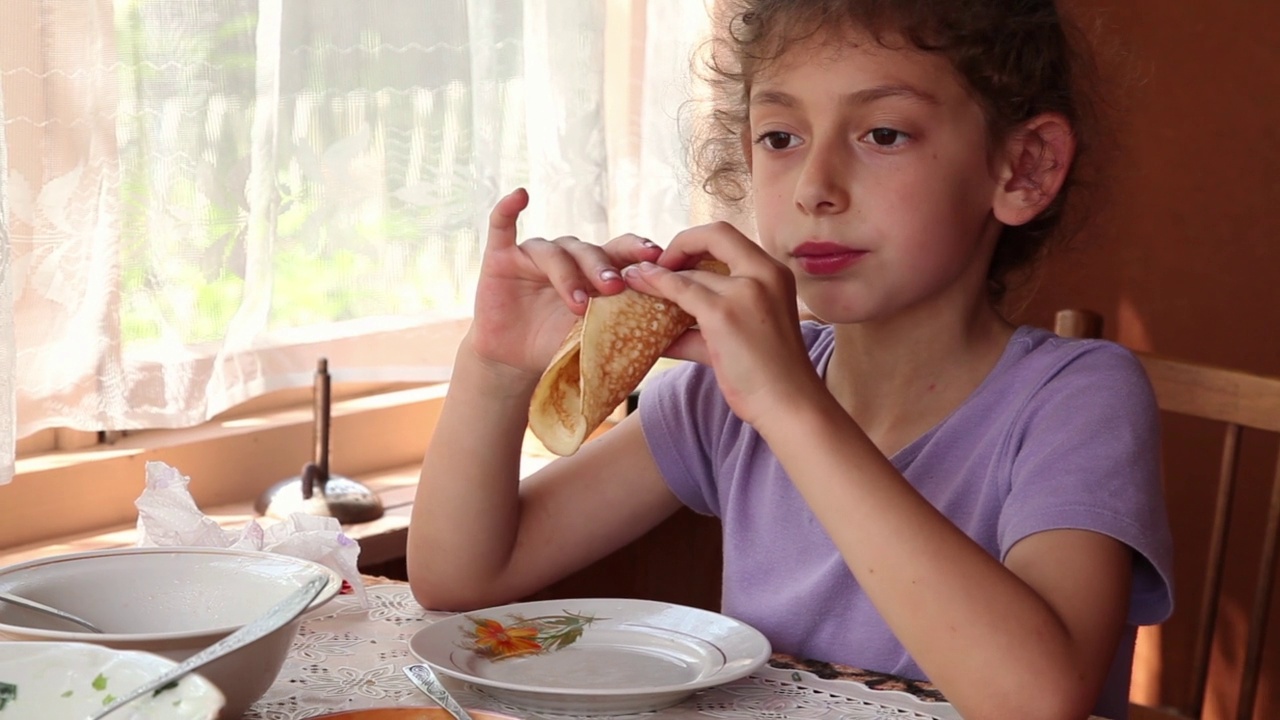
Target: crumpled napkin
[168,517]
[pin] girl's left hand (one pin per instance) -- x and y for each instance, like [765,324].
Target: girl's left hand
[748,327]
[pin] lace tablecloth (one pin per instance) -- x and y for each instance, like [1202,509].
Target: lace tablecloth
[347,656]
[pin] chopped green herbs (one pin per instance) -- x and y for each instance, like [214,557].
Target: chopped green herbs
[8,691]
[171,685]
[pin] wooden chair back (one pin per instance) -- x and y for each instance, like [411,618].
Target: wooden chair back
[1237,400]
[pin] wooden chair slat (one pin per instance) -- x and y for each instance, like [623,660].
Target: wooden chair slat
[1215,393]
[1208,617]
[1239,400]
[1260,613]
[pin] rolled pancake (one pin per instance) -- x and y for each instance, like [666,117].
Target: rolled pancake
[606,354]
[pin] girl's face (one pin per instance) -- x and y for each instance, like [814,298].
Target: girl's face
[872,179]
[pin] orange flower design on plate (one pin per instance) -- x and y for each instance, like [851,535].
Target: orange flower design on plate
[523,636]
[494,640]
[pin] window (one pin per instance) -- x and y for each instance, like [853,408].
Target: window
[202,198]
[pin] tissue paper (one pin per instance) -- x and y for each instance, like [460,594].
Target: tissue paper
[168,517]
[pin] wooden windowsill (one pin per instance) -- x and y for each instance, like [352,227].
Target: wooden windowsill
[90,492]
[56,496]
[381,541]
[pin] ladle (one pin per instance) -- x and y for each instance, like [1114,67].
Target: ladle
[41,608]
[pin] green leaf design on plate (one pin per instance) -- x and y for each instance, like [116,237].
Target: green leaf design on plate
[524,636]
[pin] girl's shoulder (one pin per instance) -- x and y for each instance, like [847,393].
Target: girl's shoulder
[1037,352]
[1041,367]
[1034,358]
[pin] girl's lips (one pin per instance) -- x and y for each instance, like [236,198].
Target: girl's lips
[823,258]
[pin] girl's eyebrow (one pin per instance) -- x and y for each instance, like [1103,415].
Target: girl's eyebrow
[879,92]
[862,97]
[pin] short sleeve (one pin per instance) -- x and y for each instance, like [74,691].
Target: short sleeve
[681,411]
[1088,457]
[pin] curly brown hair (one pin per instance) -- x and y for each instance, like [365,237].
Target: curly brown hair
[1020,58]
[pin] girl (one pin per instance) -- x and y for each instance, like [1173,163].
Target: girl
[914,485]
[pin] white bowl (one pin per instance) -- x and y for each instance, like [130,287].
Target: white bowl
[171,601]
[69,681]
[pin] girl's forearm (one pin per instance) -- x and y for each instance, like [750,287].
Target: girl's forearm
[969,621]
[466,509]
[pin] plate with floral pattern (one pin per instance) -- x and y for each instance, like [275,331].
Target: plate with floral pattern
[591,656]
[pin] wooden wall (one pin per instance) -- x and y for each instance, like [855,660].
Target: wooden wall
[1185,260]
[677,562]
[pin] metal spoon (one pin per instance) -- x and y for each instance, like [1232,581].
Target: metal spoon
[426,680]
[55,612]
[275,618]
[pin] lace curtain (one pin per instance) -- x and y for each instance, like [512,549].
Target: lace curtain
[8,417]
[202,198]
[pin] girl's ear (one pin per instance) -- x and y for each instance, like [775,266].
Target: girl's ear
[1034,165]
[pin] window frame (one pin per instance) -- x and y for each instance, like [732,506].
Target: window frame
[71,482]
[68,483]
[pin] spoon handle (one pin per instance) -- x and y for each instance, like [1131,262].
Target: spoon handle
[272,620]
[55,612]
[427,682]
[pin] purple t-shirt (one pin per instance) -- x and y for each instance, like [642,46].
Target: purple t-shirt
[1062,433]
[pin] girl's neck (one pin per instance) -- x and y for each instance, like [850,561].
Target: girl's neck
[899,378]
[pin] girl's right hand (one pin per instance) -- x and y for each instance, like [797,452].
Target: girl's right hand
[529,293]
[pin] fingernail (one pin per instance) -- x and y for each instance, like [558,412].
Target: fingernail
[648,243]
[580,296]
[607,275]
[631,271]
[647,267]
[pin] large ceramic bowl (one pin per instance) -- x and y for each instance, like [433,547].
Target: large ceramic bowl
[169,601]
[70,681]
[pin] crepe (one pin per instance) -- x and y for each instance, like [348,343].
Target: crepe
[606,354]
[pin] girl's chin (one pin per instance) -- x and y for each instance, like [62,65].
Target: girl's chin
[837,308]
[832,316]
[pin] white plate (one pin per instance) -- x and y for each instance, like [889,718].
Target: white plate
[591,656]
[69,681]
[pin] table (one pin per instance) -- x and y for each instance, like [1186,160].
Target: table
[347,656]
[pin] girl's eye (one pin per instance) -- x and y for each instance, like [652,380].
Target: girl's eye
[886,137]
[777,140]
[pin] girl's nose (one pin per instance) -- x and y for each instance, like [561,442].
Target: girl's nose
[821,188]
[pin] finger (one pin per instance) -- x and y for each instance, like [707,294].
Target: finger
[503,217]
[692,290]
[629,249]
[641,276]
[626,249]
[597,267]
[719,240]
[562,270]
